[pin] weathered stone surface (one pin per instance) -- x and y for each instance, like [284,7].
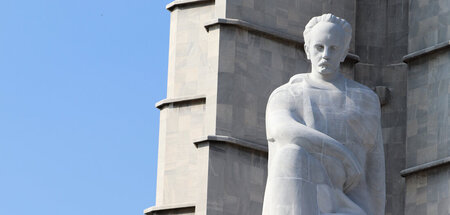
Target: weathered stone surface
[429,23]
[220,63]
[428,192]
[325,144]
[428,109]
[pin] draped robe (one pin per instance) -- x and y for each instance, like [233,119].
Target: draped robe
[325,149]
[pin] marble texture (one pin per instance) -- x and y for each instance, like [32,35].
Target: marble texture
[428,109]
[428,93]
[429,23]
[381,48]
[288,16]
[325,145]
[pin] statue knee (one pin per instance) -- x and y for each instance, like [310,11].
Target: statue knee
[290,161]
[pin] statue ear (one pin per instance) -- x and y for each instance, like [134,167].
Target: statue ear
[306,48]
[344,55]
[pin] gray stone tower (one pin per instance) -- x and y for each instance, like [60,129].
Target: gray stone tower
[227,56]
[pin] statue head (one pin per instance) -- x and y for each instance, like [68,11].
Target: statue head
[327,40]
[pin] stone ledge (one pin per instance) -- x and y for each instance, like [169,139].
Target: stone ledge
[150,210]
[254,27]
[176,3]
[414,55]
[425,166]
[232,141]
[267,31]
[186,99]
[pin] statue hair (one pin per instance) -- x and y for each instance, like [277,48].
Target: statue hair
[332,19]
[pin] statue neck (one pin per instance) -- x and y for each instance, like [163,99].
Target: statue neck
[330,77]
[327,81]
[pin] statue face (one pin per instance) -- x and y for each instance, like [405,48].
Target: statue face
[326,48]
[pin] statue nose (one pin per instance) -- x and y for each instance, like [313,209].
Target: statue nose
[326,54]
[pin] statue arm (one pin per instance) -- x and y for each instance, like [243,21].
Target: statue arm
[284,127]
[371,192]
[375,175]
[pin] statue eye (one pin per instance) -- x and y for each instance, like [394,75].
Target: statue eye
[319,47]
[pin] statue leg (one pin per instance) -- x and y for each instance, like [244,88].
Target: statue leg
[292,181]
[331,199]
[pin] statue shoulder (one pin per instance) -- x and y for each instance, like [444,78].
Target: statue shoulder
[291,89]
[286,94]
[360,91]
[353,85]
[280,94]
[297,79]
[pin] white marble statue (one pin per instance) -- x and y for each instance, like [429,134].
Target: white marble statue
[325,145]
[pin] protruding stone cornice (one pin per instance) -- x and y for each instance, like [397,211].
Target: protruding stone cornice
[425,166]
[177,3]
[232,141]
[270,32]
[152,210]
[426,51]
[165,102]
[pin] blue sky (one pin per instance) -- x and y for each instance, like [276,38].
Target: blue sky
[78,84]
